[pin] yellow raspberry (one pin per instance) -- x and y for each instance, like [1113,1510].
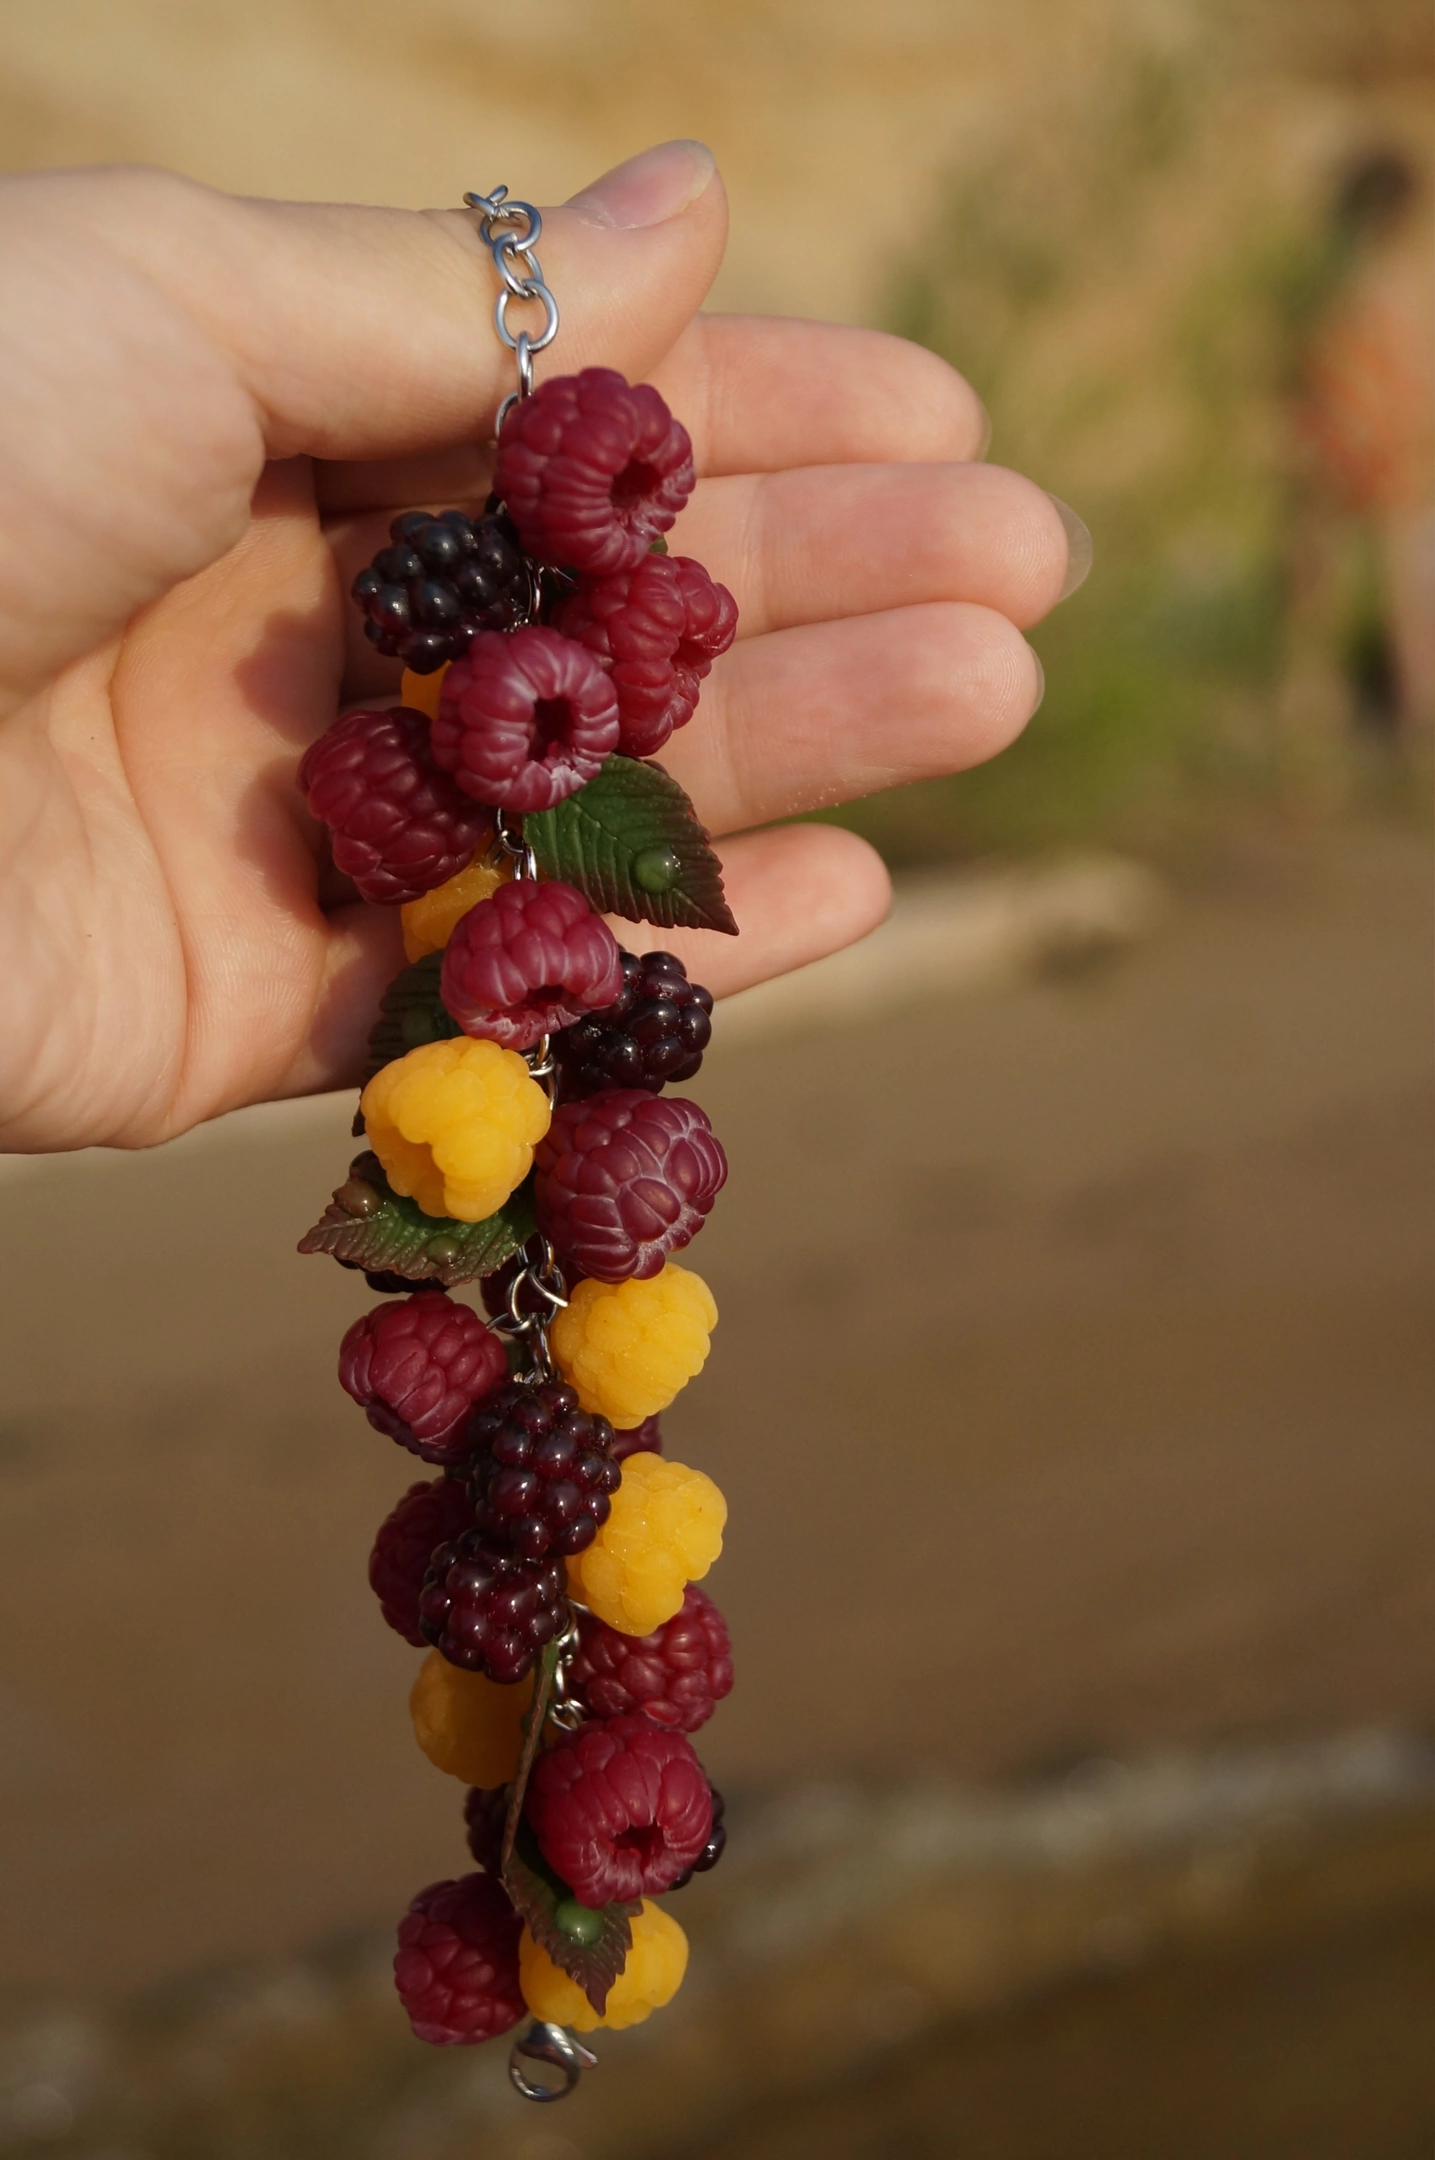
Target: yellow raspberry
[466,1723]
[628,1347]
[664,1531]
[650,1978]
[429,922]
[455,1125]
[421,693]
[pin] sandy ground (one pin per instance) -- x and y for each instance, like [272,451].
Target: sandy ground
[1072,1396]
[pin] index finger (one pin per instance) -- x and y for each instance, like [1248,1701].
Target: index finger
[765,393]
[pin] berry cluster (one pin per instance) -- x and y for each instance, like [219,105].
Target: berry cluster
[438,583]
[543,1472]
[552,1565]
[655,1030]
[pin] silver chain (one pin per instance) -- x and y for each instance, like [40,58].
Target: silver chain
[511,232]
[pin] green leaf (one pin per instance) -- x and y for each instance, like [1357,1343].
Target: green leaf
[371,1226]
[410,1012]
[631,842]
[539,1895]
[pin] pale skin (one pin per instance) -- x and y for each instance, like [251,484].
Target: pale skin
[210,408]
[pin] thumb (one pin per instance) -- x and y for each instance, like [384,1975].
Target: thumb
[368,333]
[160,340]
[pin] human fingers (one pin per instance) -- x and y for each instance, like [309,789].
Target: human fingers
[802,719]
[756,393]
[827,541]
[823,542]
[160,340]
[366,333]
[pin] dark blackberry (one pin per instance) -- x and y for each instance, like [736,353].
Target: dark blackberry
[656,1030]
[542,1471]
[438,582]
[487,1611]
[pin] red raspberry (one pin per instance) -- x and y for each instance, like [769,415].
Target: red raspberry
[592,469]
[676,1676]
[488,1612]
[529,960]
[431,1514]
[400,825]
[456,1968]
[658,628]
[624,1178]
[620,1808]
[485,1812]
[525,719]
[644,1439]
[542,1473]
[416,1368]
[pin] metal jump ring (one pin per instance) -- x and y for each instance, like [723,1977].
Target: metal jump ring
[518,280]
[555,2045]
[533,290]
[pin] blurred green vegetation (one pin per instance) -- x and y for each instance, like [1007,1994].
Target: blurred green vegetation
[1130,282]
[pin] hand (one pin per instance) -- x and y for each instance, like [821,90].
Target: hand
[209,411]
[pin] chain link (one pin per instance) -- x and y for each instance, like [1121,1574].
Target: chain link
[511,232]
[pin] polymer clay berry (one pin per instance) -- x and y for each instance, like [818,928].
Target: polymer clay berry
[655,1031]
[592,470]
[485,1812]
[456,1968]
[487,1611]
[630,1347]
[623,1179]
[677,1675]
[527,961]
[469,1726]
[525,720]
[663,1532]
[417,1368]
[542,1472]
[432,1513]
[439,581]
[649,1980]
[399,824]
[657,628]
[454,1125]
[620,1807]
[430,921]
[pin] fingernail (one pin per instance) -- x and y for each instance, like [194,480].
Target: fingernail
[1040,682]
[1078,549]
[650,188]
[985,442]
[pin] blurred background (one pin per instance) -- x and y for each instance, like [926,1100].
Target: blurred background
[1075,1420]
